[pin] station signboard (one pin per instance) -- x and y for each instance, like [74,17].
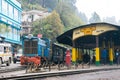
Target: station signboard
[92,30]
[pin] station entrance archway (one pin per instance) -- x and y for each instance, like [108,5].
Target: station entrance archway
[92,36]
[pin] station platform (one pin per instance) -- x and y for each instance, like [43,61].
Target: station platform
[61,72]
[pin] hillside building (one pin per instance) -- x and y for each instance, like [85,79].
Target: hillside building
[29,16]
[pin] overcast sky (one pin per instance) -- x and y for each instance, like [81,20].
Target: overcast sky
[103,8]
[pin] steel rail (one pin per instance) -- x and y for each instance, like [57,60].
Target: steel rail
[12,70]
[56,73]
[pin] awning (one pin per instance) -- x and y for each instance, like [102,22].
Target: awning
[94,29]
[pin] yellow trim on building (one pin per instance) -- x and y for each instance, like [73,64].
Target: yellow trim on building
[97,54]
[73,54]
[92,30]
[111,54]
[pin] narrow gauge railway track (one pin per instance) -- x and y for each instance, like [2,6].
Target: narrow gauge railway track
[56,73]
[12,70]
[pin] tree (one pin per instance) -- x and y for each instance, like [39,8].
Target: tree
[30,4]
[4,28]
[65,8]
[67,12]
[50,27]
[111,20]
[95,18]
[83,17]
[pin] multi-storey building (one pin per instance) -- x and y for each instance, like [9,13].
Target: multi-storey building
[10,21]
[29,16]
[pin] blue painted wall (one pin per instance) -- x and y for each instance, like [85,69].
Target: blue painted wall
[10,20]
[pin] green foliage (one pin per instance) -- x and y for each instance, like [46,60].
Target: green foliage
[95,18]
[51,4]
[30,5]
[50,27]
[65,18]
[83,17]
[68,14]
[3,28]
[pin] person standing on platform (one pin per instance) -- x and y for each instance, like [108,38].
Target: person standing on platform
[104,56]
[117,55]
[68,58]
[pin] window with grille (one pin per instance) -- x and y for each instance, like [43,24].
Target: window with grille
[30,46]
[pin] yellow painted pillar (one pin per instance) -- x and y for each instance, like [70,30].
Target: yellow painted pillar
[111,55]
[97,62]
[74,55]
[110,52]
[97,56]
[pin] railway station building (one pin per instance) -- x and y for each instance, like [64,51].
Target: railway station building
[96,37]
[10,21]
